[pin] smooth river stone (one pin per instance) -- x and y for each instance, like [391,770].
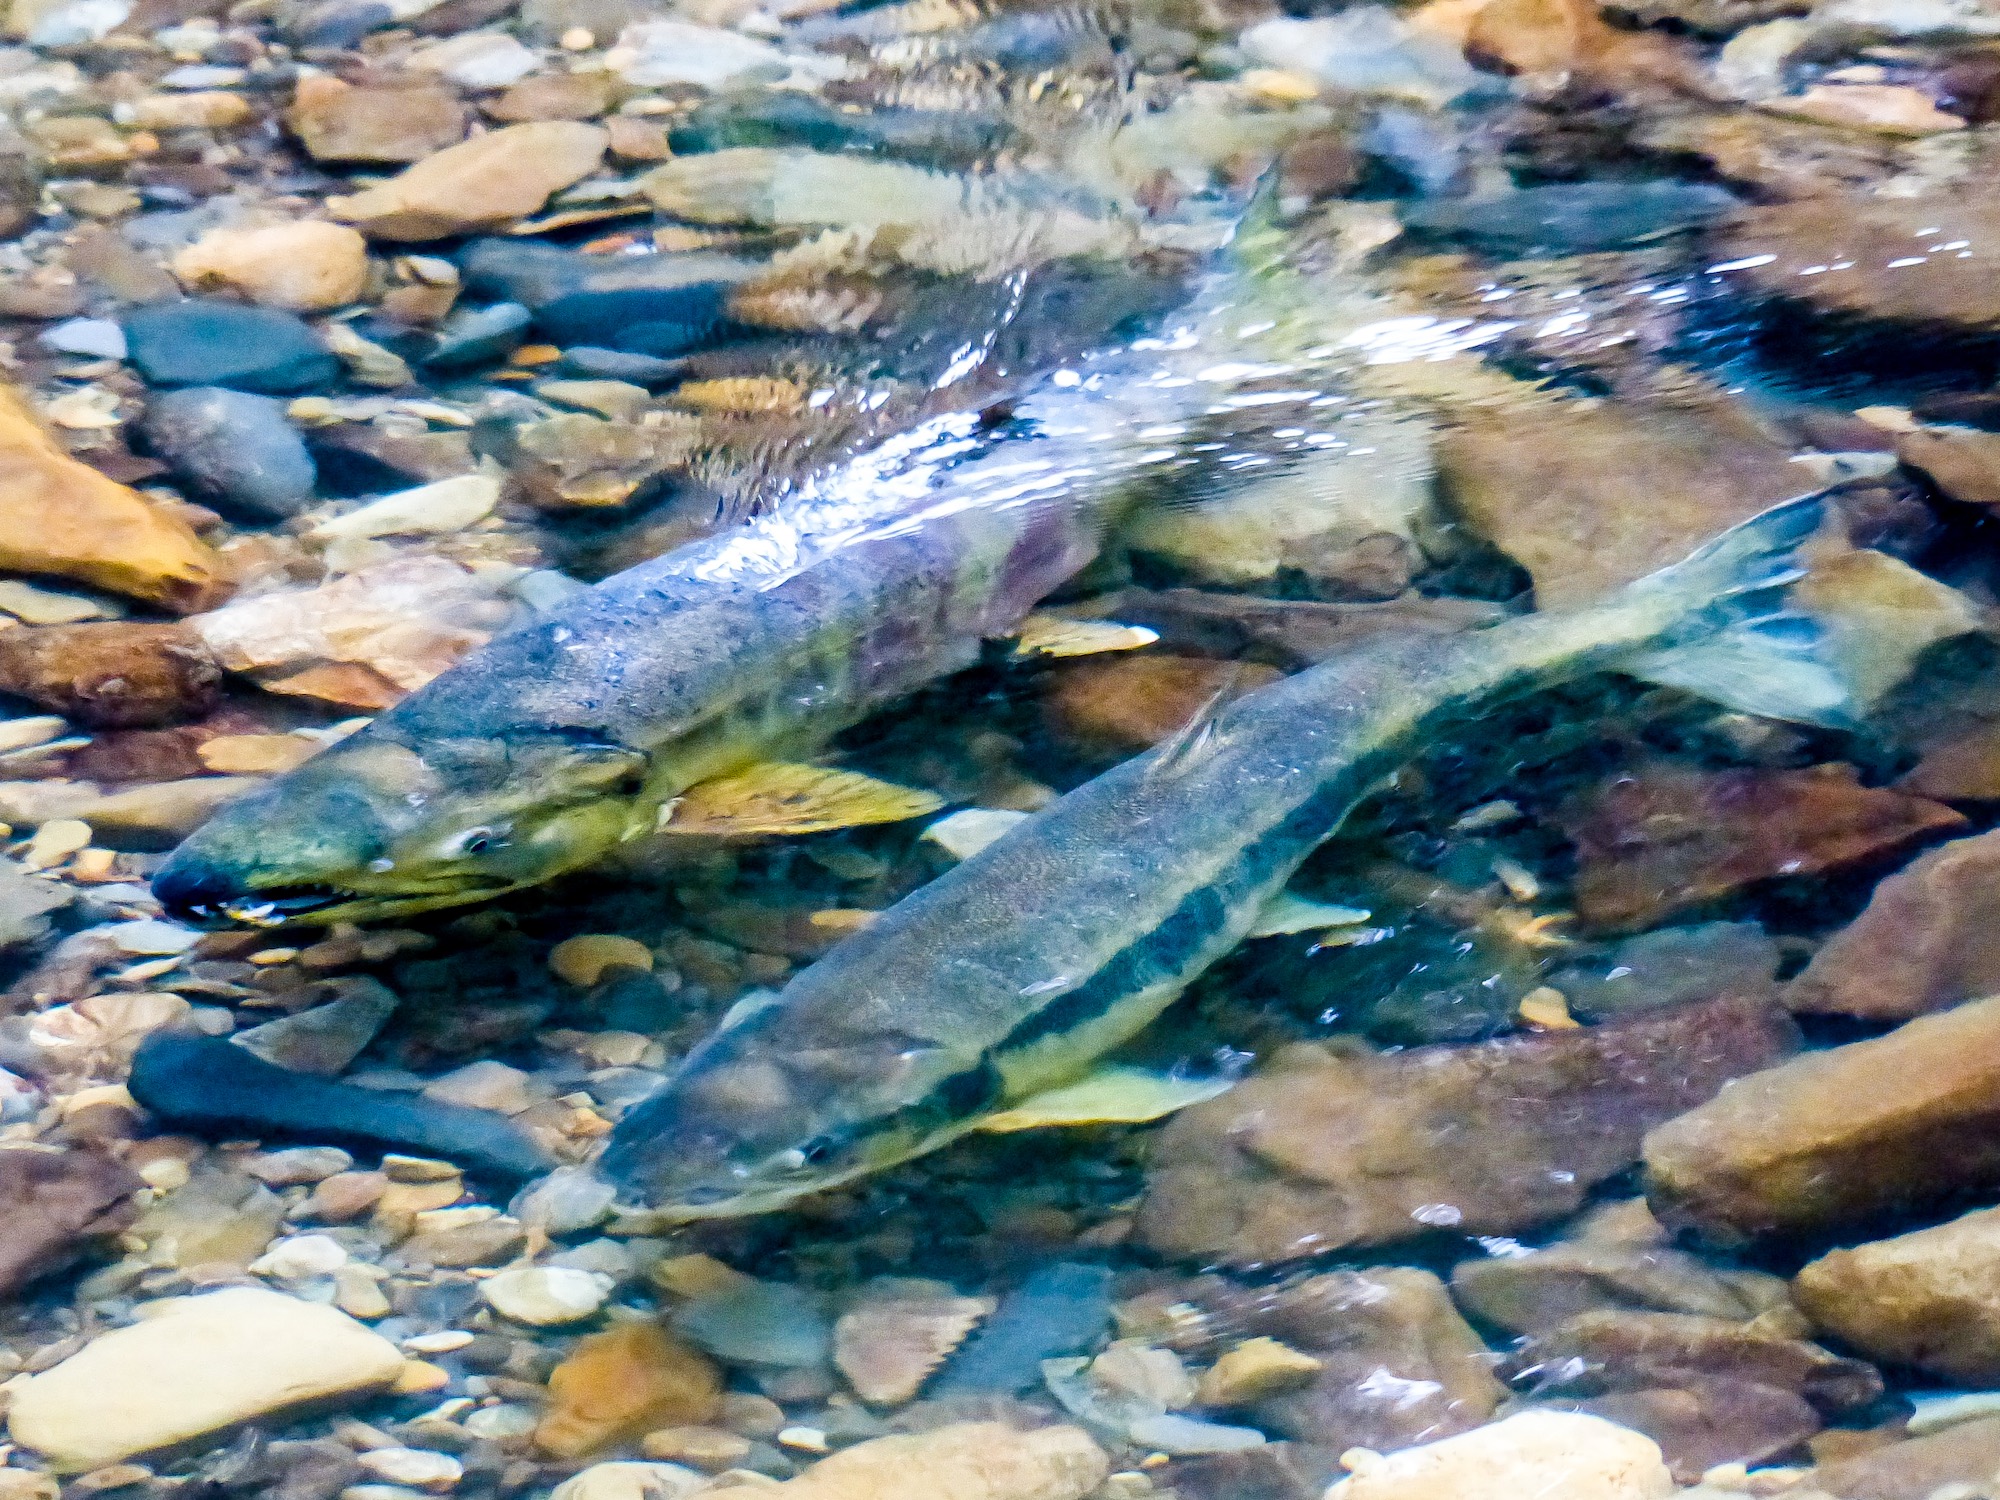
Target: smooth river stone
[199,1366]
[1834,1140]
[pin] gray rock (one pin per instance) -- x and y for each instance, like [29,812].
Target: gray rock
[99,337]
[1061,1309]
[477,335]
[233,448]
[588,362]
[769,1323]
[645,304]
[204,341]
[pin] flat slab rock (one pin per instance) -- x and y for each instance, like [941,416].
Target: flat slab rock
[1323,1151]
[196,1366]
[1965,1455]
[1832,1140]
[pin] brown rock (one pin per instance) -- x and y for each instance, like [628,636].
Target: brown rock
[637,140]
[1928,938]
[889,1343]
[1869,261]
[1967,1454]
[1700,1422]
[1274,1471]
[307,266]
[1568,41]
[483,182]
[1323,1150]
[623,1383]
[61,517]
[1930,1299]
[1833,1139]
[553,96]
[113,674]
[1621,1350]
[1121,703]
[55,1203]
[1397,1364]
[1537,1291]
[1657,842]
[338,122]
[1589,498]
[345,1197]
[967,1461]
[1964,462]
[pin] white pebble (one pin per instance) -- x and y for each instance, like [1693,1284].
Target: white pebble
[419,1468]
[301,1255]
[98,337]
[546,1295]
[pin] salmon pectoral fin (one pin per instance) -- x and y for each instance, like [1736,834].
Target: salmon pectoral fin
[1110,1096]
[776,797]
[1043,636]
[1286,913]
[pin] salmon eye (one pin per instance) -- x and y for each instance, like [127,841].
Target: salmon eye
[477,841]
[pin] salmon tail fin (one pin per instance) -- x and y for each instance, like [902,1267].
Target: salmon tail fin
[1744,642]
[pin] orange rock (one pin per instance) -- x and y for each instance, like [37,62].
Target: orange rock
[1126,703]
[1659,841]
[621,1384]
[62,517]
[1558,40]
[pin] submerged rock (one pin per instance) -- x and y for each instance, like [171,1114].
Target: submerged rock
[1396,1363]
[306,266]
[112,674]
[1060,1310]
[1916,263]
[339,122]
[1587,498]
[54,1205]
[651,304]
[889,1342]
[199,1365]
[1550,1455]
[236,449]
[987,1460]
[1544,1288]
[1967,1455]
[206,342]
[1834,1139]
[1929,938]
[623,1383]
[61,517]
[1929,1299]
[1662,841]
[1323,1150]
[486,181]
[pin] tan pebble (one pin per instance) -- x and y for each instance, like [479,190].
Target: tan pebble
[111,1477]
[887,1347]
[1255,1369]
[693,1276]
[581,961]
[248,754]
[710,1449]
[212,109]
[94,866]
[54,842]
[804,1440]
[418,1376]
[345,1196]
[358,1294]
[307,266]
[270,957]
[577,39]
[1281,85]
[535,354]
